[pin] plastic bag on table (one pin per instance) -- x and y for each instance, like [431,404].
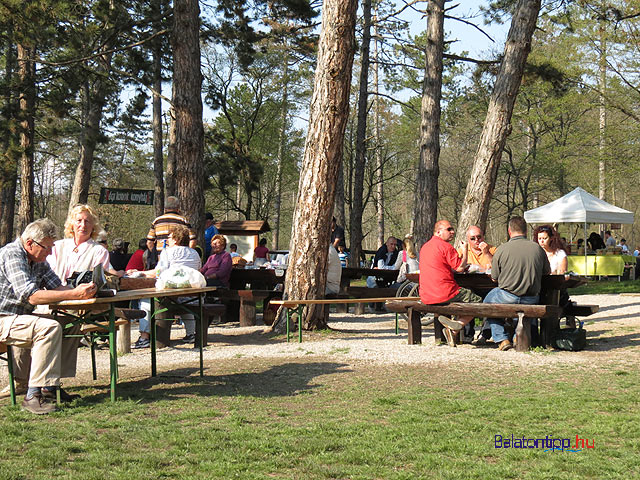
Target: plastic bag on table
[179,276]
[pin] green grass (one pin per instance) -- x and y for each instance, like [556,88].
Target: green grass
[321,419]
[607,286]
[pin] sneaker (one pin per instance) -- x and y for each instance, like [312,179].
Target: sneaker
[450,323]
[65,397]
[480,341]
[448,334]
[38,405]
[142,343]
[21,389]
[189,338]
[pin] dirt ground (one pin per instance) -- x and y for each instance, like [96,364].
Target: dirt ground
[613,339]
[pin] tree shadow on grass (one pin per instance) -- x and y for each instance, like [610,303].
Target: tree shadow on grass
[284,380]
[598,343]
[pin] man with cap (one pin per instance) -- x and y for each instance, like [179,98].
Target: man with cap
[118,257]
[209,231]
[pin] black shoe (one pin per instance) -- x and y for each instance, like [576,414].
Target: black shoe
[38,405]
[189,338]
[65,397]
[142,343]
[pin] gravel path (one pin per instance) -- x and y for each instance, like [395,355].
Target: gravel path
[613,339]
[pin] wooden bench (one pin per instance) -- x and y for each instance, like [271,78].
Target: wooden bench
[366,292]
[243,303]
[299,304]
[8,357]
[490,310]
[572,310]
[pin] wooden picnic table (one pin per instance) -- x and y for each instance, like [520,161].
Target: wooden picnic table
[94,310]
[551,287]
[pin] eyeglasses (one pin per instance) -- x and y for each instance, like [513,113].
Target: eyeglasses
[41,245]
[477,237]
[451,229]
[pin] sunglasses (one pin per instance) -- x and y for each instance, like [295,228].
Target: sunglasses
[477,237]
[451,229]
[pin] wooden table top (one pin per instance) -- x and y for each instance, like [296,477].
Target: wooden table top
[126,295]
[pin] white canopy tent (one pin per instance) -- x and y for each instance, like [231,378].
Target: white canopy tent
[579,206]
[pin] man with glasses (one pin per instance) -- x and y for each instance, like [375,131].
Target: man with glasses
[27,280]
[438,262]
[479,252]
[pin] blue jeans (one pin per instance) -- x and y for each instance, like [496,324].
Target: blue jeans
[498,295]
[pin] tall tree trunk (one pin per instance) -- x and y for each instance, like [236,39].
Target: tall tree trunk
[187,102]
[426,194]
[602,86]
[10,152]
[497,124]
[355,227]
[158,160]
[376,135]
[329,111]
[275,239]
[170,177]
[338,208]
[27,102]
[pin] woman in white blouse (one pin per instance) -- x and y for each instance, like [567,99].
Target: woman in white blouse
[548,238]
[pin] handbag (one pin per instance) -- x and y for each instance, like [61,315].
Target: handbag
[571,339]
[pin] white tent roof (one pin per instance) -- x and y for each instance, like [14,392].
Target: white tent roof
[578,206]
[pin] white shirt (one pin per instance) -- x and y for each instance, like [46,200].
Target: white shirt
[334,271]
[67,258]
[555,259]
[178,255]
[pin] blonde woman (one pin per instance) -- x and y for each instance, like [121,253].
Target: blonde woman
[407,261]
[79,250]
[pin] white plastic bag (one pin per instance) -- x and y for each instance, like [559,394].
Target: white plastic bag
[179,276]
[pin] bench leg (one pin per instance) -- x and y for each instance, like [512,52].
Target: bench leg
[124,338]
[437,329]
[415,327]
[247,313]
[523,333]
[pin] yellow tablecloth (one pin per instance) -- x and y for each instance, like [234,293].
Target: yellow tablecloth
[599,264]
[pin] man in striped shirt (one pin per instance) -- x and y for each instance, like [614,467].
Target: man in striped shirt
[160,227]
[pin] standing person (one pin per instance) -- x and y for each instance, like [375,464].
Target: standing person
[624,246]
[517,267]
[609,241]
[209,231]
[334,273]
[159,230]
[438,263]
[217,270]
[337,235]
[27,280]
[479,252]
[233,250]
[261,253]
[595,241]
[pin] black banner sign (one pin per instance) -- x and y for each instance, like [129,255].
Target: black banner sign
[124,196]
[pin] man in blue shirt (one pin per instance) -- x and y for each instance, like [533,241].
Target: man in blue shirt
[209,231]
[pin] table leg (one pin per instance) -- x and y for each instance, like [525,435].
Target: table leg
[152,335]
[300,308]
[287,313]
[113,351]
[203,332]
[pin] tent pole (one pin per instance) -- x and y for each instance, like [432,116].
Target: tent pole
[586,272]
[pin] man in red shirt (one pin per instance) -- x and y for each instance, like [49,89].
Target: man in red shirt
[438,262]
